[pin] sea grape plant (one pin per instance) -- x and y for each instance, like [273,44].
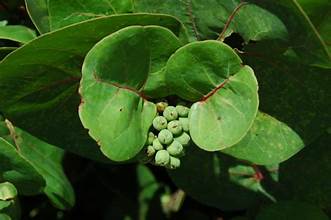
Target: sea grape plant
[157,82]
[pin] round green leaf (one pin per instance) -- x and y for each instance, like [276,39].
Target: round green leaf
[115,71]
[269,141]
[291,210]
[225,117]
[198,68]
[211,73]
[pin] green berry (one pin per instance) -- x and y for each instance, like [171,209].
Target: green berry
[182,110]
[174,163]
[160,123]
[150,150]
[175,148]
[162,158]
[175,127]
[170,113]
[185,124]
[165,136]
[157,145]
[150,138]
[160,106]
[184,139]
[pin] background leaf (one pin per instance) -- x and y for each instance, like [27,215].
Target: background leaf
[36,166]
[291,210]
[149,194]
[215,184]
[4,51]
[305,177]
[47,160]
[205,19]
[296,94]
[19,171]
[40,95]
[294,81]
[63,13]
[17,33]
[38,11]
[318,11]
[268,142]
[305,37]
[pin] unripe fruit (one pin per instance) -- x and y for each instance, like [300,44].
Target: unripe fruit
[184,139]
[162,158]
[160,123]
[157,145]
[165,136]
[150,150]
[160,106]
[170,113]
[182,110]
[150,138]
[174,163]
[175,148]
[175,127]
[185,124]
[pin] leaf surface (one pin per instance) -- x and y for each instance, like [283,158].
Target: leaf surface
[63,13]
[34,166]
[19,171]
[268,142]
[308,33]
[17,33]
[38,12]
[206,19]
[47,160]
[211,73]
[4,51]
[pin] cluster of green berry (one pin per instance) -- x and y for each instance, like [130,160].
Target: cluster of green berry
[165,144]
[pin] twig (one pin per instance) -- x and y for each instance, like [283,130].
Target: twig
[228,22]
